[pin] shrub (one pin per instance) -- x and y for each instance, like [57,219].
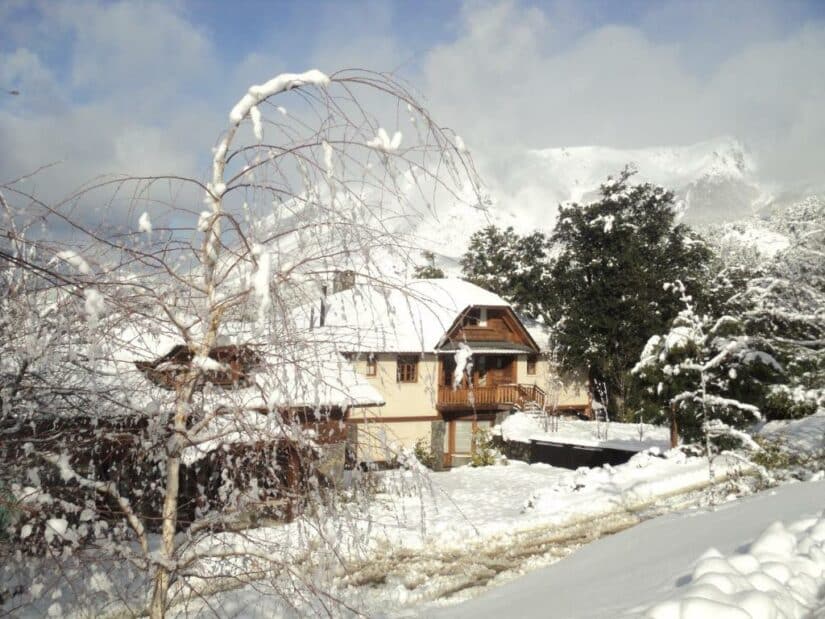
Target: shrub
[482,451]
[773,456]
[780,404]
[423,453]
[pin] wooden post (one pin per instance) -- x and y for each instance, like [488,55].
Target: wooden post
[674,427]
[437,444]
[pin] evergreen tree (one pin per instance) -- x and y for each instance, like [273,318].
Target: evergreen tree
[783,303]
[513,266]
[711,377]
[428,270]
[605,289]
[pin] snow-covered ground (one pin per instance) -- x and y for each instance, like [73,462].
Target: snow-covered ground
[523,427]
[420,541]
[805,435]
[733,561]
[428,537]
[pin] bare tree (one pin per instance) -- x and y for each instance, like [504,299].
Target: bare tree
[159,401]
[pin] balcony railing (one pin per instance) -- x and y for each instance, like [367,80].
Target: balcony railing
[483,397]
[475,333]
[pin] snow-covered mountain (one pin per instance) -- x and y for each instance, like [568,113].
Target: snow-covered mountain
[715,181]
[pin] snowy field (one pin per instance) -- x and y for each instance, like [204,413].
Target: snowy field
[527,538]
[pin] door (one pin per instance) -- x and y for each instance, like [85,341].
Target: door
[461,434]
[500,370]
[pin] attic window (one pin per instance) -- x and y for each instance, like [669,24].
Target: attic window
[475,317]
[407,370]
[372,365]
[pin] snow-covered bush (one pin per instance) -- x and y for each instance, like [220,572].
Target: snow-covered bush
[782,402]
[423,453]
[707,369]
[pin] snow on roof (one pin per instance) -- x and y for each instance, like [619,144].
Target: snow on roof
[292,375]
[525,428]
[317,385]
[409,318]
[539,331]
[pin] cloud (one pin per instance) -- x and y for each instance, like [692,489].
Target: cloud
[521,77]
[145,87]
[127,95]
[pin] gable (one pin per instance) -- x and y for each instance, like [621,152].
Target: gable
[489,327]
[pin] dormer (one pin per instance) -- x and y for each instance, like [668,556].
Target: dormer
[489,325]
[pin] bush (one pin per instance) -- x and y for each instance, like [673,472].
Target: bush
[423,453]
[773,455]
[7,510]
[482,452]
[780,404]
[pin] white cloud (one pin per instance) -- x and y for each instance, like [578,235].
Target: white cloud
[141,88]
[131,98]
[516,79]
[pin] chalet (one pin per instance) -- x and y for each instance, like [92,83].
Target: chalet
[447,357]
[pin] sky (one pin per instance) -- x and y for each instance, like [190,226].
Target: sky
[144,87]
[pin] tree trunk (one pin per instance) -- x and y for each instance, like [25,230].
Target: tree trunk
[170,500]
[674,427]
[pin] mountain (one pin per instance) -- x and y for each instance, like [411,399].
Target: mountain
[714,181]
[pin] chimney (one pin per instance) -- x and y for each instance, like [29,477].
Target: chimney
[323,313]
[343,280]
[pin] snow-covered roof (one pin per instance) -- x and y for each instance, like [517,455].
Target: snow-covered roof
[539,331]
[298,375]
[409,318]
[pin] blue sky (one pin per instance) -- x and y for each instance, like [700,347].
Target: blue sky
[144,87]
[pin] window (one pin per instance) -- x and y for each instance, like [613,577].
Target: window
[475,317]
[531,365]
[472,317]
[407,370]
[372,365]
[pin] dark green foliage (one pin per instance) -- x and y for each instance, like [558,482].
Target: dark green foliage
[779,404]
[429,270]
[605,291]
[513,266]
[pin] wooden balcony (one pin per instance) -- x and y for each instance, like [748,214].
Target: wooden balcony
[473,333]
[499,397]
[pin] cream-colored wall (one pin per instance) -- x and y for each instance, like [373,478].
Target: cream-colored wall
[383,442]
[570,390]
[380,441]
[404,399]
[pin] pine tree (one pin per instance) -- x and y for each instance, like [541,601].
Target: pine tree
[604,293]
[709,376]
[784,302]
[428,270]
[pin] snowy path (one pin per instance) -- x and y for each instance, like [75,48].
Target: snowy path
[640,566]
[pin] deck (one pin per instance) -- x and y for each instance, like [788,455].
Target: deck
[498,397]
